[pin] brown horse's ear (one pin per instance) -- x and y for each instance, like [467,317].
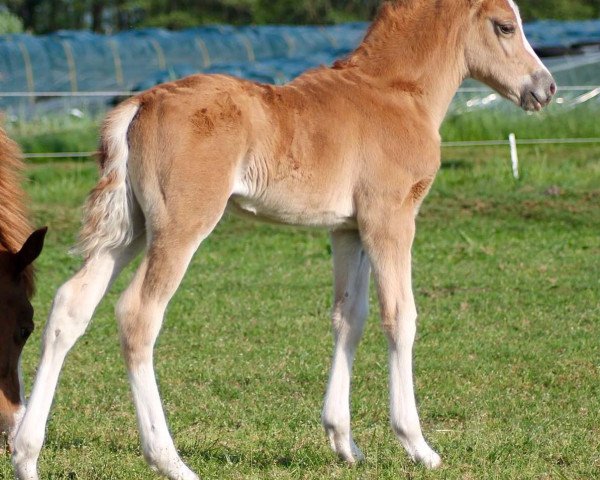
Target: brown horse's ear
[31,249]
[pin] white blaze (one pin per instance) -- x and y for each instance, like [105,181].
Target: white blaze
[526,43]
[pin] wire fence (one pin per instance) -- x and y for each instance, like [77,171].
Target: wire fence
[473,143]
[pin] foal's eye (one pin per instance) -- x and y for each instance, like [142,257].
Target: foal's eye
[506,28]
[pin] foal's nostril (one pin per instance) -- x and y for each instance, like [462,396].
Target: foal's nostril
[552,88]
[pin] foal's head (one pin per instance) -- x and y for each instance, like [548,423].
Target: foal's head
[16,322]
[498,54]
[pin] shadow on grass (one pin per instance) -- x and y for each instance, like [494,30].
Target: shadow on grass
[457,164]
[260,459]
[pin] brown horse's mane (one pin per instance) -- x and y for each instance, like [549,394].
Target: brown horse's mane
[14,226]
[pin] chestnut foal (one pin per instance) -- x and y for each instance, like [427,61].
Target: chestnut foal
[353,148]
[18,250]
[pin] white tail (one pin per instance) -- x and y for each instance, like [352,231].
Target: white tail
[107,221]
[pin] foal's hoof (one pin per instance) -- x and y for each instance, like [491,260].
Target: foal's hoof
[358,455]
[428,458]
[351,457]
[25,470]
[420,452]
[345,448]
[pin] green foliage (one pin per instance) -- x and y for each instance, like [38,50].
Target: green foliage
[312,11]
[176,20]
[292,12]
[9,23]
[559,9]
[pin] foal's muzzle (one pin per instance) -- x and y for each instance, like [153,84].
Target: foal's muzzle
[538,91]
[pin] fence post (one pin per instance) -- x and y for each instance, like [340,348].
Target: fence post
[512,140]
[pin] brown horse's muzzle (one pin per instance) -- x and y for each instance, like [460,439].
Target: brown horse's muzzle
[11,411]
[538,91]
[6,428]
[9,427]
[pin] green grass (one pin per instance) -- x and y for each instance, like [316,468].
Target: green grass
[507,359]
[556,121]
[57,133]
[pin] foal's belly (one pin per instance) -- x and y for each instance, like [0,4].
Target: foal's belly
[296,189]
[329,213]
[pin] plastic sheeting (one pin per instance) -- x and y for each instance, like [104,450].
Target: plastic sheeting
[136,60]
[82,61]
[552,37]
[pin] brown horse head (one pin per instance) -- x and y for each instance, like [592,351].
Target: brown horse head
[16,323]
[499,55]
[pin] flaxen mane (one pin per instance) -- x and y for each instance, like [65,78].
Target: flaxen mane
[14,226]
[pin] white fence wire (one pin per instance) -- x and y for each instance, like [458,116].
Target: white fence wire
[465,144]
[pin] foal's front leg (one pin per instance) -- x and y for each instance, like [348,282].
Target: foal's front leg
[351,291]
[388,241]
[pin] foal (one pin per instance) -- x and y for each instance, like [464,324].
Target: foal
[17,252]
[353,148]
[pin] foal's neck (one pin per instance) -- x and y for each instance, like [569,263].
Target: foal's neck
[417,48]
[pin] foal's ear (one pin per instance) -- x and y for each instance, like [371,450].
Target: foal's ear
[31,249]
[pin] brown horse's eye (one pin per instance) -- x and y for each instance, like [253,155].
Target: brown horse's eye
[25,333]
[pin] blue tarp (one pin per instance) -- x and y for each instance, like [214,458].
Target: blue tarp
[81,61]
[552,33]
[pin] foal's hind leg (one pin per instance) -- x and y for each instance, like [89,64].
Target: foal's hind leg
[351,290]
[140,314]
[71,313]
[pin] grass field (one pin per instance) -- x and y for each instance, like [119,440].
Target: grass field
[507,281]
